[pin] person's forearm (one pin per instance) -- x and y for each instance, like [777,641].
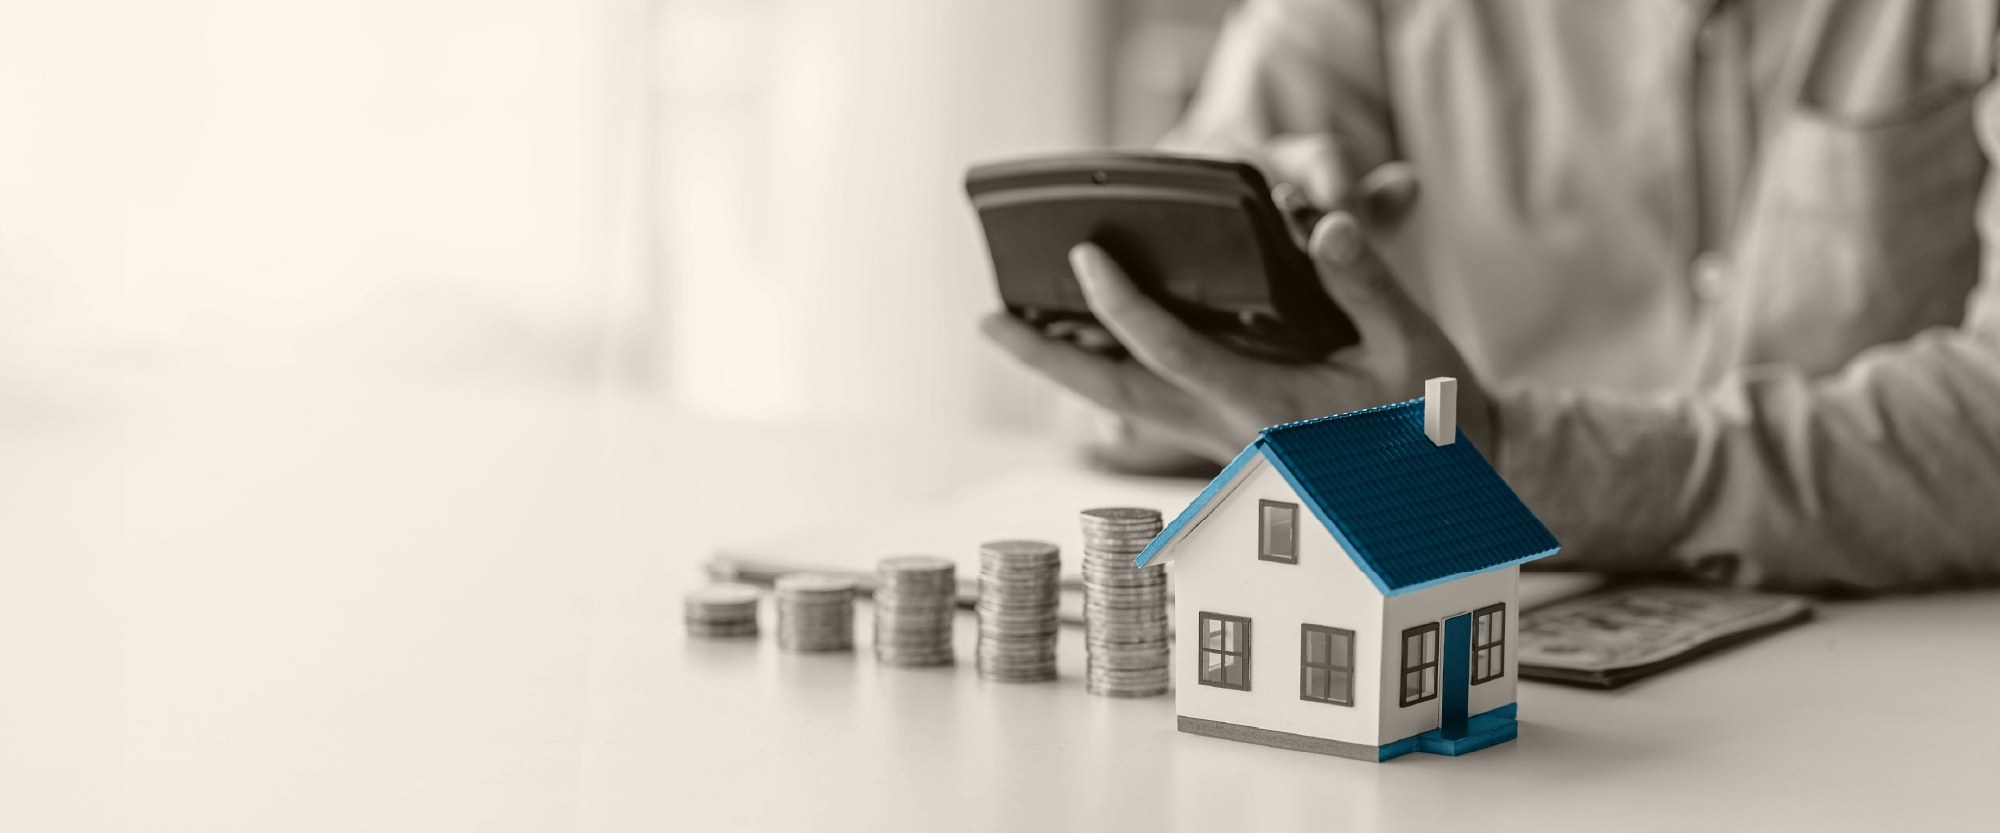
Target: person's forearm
[1884,476]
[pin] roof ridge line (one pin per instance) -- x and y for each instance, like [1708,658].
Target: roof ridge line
[1331,417]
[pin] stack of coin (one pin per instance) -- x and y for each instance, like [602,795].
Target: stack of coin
[1124,608]
[815,612]
[915,599]
[721,610]
[1018,590]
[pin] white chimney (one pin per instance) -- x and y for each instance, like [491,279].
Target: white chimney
[1441,410]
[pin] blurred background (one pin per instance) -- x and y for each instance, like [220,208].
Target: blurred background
[750,208]
[374,374]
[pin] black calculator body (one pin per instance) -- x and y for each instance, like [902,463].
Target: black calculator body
[1200,235]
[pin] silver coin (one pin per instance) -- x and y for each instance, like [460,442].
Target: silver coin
[915,613]
[814,617]
[1122,577]
[987,665]
[1016,548]
[1124,589]
[1130,661]
[1108,545]
[941,623]
[725,630]
[1037,676]
[697,625]
[1126,607]
[915,564]
[813,583]
[1120,514]
[1112,635]
[744,612]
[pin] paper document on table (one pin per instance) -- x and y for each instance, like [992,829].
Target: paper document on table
[1040,503]
[1613,637]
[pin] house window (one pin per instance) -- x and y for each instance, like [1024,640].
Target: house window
[1420,664]
[1326,665]
[1489,643]
[1224,658]
[1278,531]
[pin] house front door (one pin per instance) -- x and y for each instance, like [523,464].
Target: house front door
[1454,675]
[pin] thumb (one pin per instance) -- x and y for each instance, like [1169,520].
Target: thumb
[1387,194]
[1359,281]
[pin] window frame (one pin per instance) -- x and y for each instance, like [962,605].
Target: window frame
[1263,542]
[1202,651]
[1306,663]
[1431,631]
[1496,664]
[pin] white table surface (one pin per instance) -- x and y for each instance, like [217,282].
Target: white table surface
[308,606]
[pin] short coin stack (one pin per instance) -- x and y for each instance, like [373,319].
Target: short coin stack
[1019,586]
[721,610]
[815,612]
[915,599]
[1124,608]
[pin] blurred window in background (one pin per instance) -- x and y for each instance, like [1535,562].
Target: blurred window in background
[818,254]
[417,188]
[753,206]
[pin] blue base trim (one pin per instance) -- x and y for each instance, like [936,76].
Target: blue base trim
[1489,728]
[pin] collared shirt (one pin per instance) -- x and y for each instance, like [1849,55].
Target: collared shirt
[1727,266]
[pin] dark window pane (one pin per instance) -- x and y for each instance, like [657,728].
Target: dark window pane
[1338,683]
[1342,646]
[1316,646]
[1316,683]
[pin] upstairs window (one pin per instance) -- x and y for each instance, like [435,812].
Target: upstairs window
[1489,643]
[1278,531]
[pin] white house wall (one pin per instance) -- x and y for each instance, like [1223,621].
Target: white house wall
[1435,604]
[1216,569]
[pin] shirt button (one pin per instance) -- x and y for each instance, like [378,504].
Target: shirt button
[1709,275]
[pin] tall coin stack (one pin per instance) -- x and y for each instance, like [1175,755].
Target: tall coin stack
[916,597]
[1124,608]
[721,610]
[1019,587]
[815,612]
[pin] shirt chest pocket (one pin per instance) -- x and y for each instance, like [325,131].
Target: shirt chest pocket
[1861,230]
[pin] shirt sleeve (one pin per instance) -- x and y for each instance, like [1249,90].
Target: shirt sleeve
[1293,66]
[1883,475]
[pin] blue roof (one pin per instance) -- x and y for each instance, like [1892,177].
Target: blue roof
[1412,514]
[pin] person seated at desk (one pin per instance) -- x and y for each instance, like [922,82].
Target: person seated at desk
[1717,278]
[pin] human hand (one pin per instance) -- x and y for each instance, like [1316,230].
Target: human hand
[1311,174]
[1212,400]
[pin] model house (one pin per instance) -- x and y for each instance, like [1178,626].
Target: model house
[1347,586]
